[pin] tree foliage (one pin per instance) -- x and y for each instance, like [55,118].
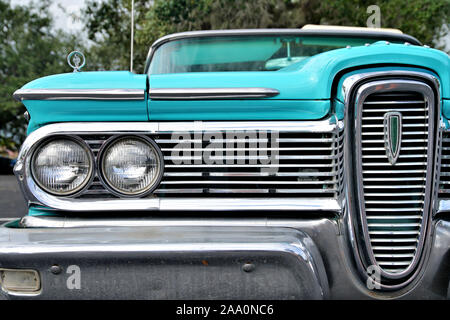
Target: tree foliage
[29,49]
[109,22]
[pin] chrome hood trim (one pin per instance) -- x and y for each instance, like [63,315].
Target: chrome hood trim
[79,94]
[211,93]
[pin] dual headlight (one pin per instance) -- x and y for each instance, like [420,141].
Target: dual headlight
[128,166]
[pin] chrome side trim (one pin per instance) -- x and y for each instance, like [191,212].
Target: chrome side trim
[35,195]
[79,94]
[211,93]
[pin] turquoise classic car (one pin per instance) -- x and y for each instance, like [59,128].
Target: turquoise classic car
[307,163]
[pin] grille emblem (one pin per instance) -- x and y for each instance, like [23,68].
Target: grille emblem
[392,135]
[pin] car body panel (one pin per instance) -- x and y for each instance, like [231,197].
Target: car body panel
[301,86]
[49,111]
[313,78]
[262,109]
[338,103]
[446,108]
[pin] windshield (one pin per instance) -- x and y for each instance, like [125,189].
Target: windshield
[242,53]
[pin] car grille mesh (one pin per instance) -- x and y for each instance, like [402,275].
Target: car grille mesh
[444,182]
[301,165]
[394,195]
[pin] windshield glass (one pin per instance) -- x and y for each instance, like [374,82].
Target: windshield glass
[242,53]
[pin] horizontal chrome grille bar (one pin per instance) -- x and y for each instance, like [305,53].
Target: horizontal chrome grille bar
[396,217]
[408,102]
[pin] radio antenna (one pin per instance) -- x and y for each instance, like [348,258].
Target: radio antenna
[132,35]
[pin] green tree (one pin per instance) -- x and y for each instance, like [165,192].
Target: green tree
[108,23]
[108,26]
[29,49]
[423,19]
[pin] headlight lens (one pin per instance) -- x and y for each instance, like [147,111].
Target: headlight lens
[62,166]
[131,166]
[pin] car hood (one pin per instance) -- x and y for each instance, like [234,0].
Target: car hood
[303,90]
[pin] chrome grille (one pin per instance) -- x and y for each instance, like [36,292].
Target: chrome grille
[444,182]
[308,165]
[395,199]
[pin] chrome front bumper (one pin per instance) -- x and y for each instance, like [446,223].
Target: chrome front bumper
[167,262]
[202,259]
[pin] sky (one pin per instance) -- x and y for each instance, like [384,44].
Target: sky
[62,20]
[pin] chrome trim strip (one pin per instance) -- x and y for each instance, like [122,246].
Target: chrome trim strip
[79,94]
[36,195]
[77,222]
[211,93]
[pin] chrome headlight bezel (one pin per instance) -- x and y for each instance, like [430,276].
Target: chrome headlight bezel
[101,166]
[83,186]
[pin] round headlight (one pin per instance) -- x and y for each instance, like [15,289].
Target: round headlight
[62,166]
[131,165]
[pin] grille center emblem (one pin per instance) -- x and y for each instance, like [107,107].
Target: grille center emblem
[392,135]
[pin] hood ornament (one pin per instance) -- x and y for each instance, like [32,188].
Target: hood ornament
[76,60]
[392,135]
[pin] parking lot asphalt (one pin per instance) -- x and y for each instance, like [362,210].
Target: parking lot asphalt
[12,203]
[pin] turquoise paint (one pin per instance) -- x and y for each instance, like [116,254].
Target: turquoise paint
[239,110]
[339,109]
[446,123]
[446,108]
[41,211]
[340,95]
[308,80]
[305,88]
[43,112]
[90,80]
[312,78]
